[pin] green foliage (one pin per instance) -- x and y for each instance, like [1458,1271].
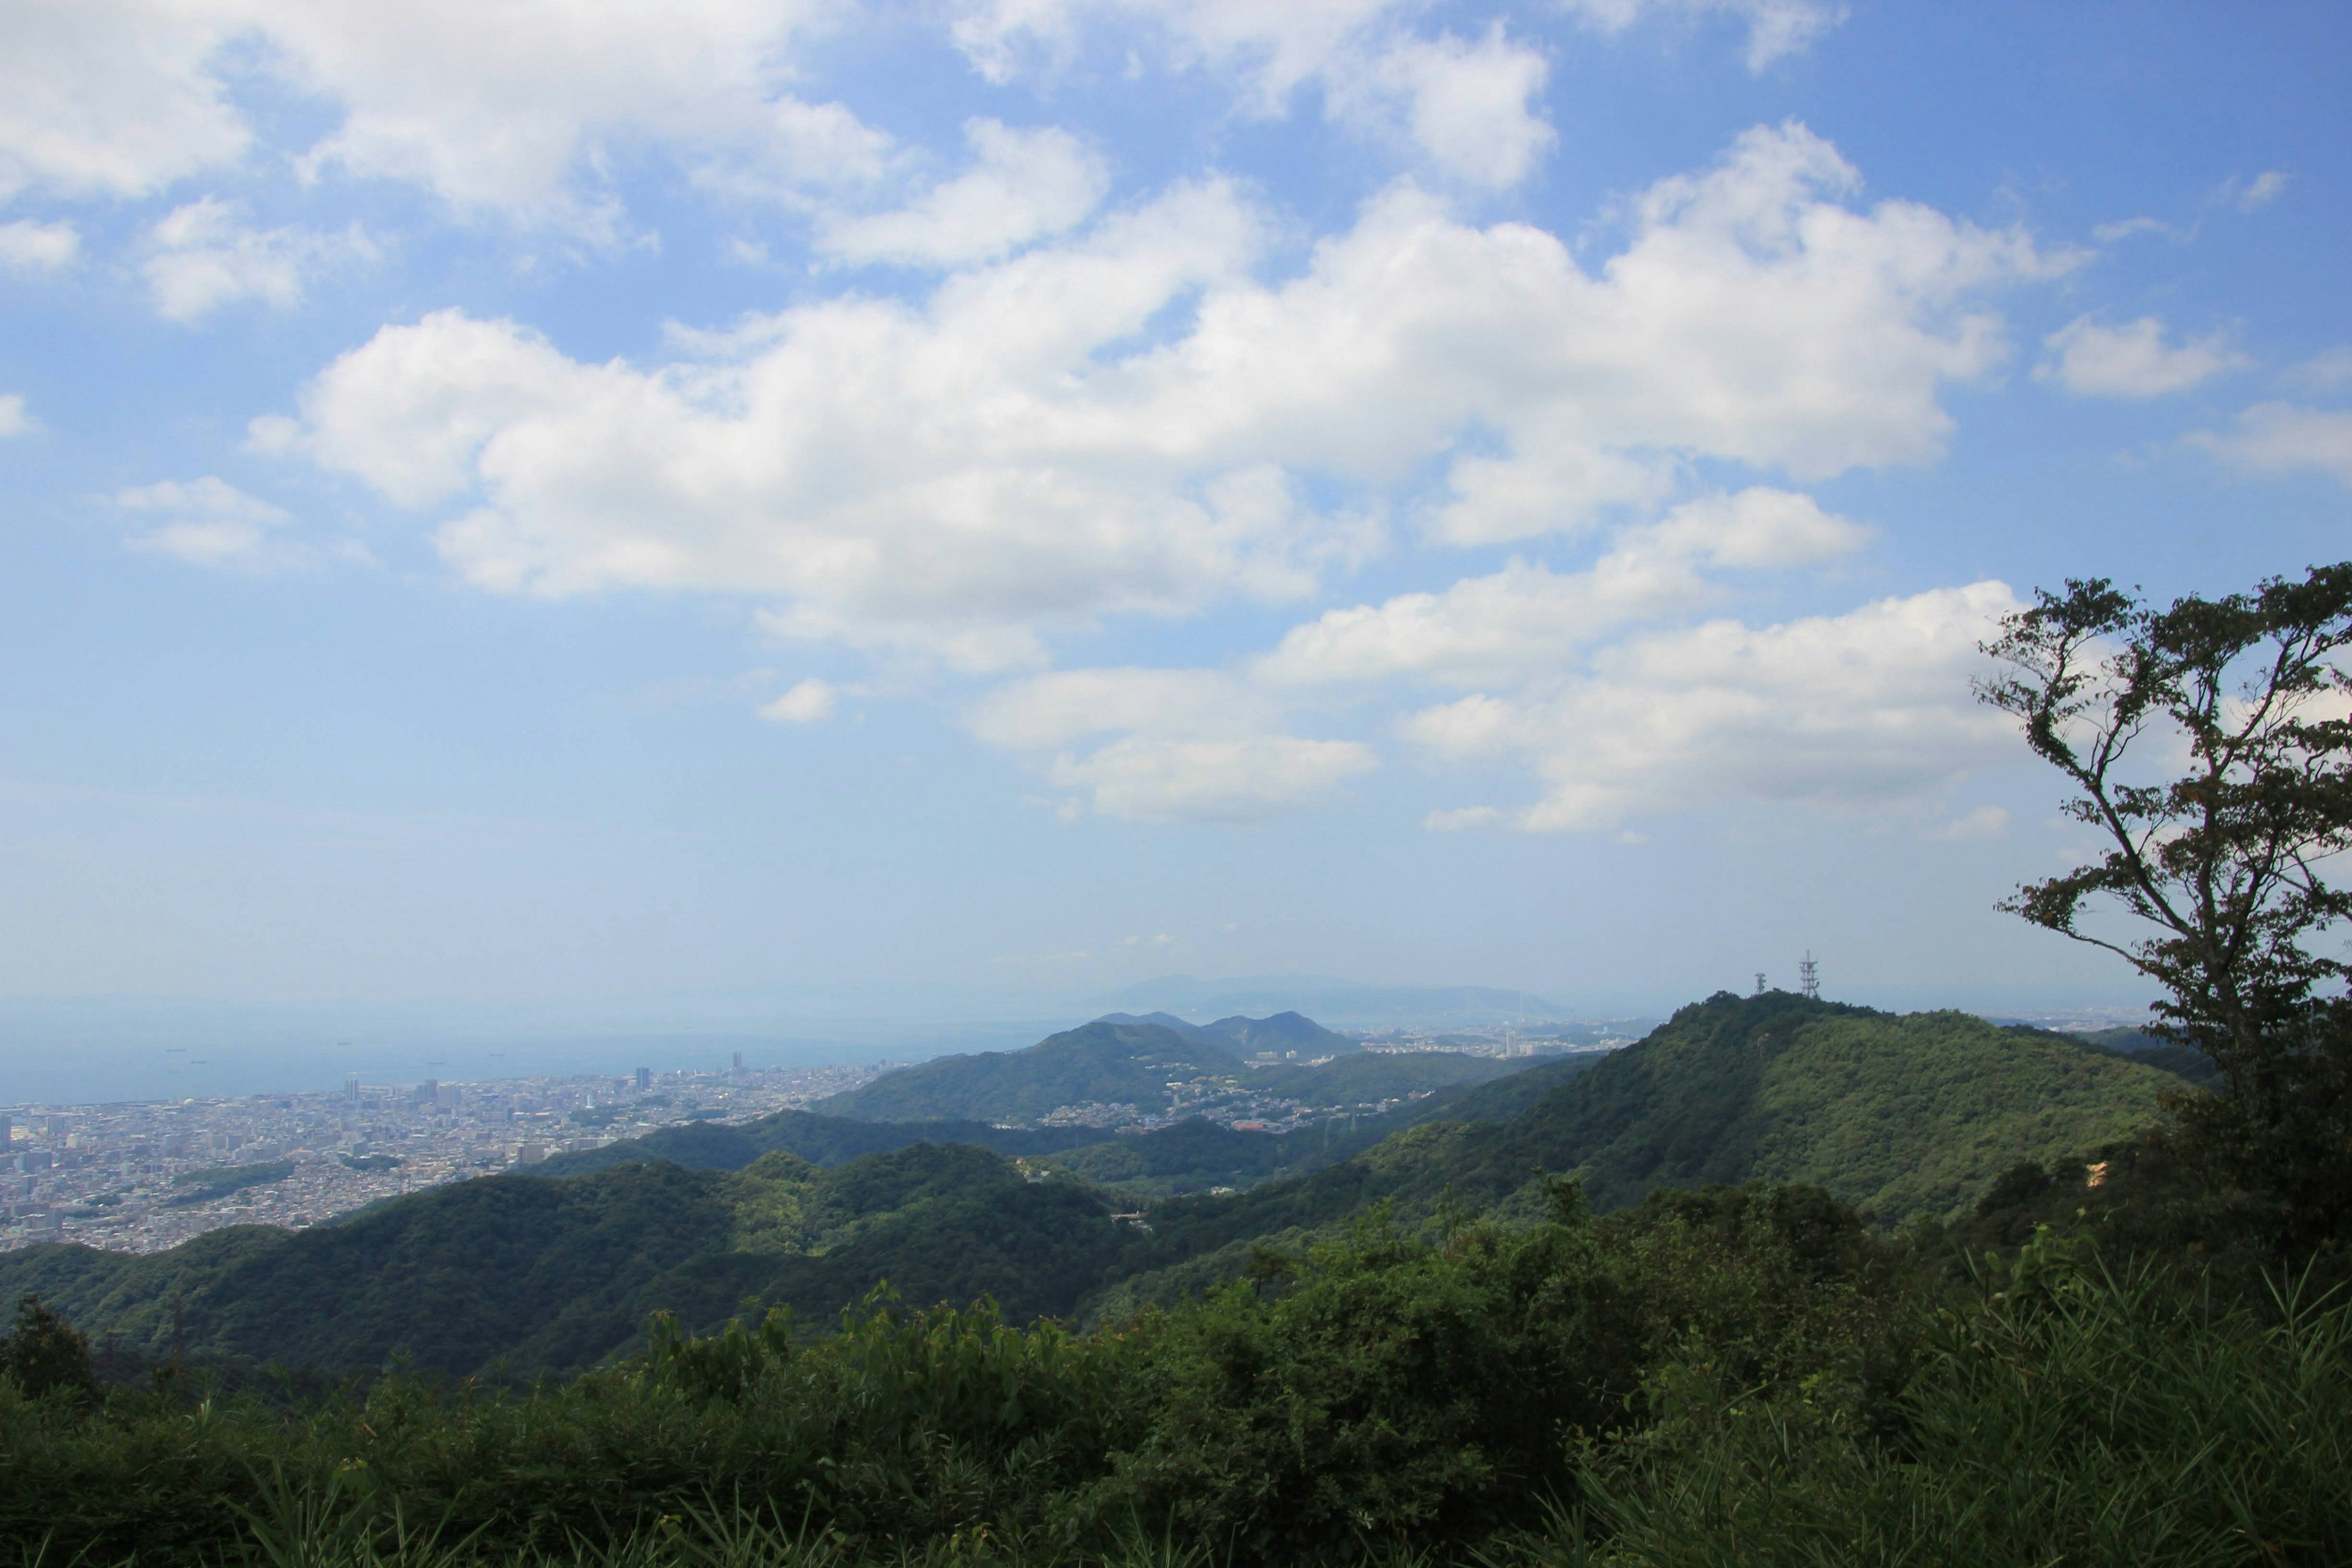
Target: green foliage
[45,1354]
[1114,1064]
[819,1139]
[1373,1075]
[2225,868]
[515,1276]
[203,1186]
[2066,1414]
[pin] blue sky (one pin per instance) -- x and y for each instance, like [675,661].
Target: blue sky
[523,501]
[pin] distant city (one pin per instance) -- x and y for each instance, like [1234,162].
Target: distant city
[142,1176]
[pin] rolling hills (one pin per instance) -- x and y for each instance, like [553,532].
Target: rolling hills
[528,1275]
[1907,1116]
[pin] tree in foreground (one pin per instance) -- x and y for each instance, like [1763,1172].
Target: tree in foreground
[2225,866]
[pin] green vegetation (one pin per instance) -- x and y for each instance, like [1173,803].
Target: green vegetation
[204,1186]
[807,1135]
[1102,1063]
[521,1274]
[1369,1076]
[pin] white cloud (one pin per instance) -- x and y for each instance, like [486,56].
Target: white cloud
[810,702]
[1013,454]
[1023,185]
[1153,780]
[1866,706]
[1463,819]
[1775,28]
[29,247]
[1464,105]
[209,522]
[13,420]
[508,108]
[113,97]
[2251,195]
[2284,437]
[2131,360]
[1527,621]
[1191,744]
[204,255]
[2323,371]
[1984,822]
[2131,228]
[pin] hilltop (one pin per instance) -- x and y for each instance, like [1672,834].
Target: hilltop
[1902,1115]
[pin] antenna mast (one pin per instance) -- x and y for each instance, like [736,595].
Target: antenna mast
[1759,982]
[1808,980]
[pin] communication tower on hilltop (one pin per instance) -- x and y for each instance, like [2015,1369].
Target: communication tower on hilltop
[1807,980]
[1759,982]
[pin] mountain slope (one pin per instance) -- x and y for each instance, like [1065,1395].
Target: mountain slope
[807,1135]
[1098,1063]
[528,1275]
[1903,1115]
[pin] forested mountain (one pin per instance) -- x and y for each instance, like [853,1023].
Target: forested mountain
[537,1275]
[1906,1116]
[1097,1063]
[1279,1033]
[818,1139]
[1902,1115]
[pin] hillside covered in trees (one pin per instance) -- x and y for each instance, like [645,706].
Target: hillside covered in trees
[1904,1116]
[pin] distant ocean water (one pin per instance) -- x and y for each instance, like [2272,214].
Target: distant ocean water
[81,1053]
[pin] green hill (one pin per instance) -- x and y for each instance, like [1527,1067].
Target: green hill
[1902,1115]
[1097,1063]
[532,1275]
[807,1135]
[1907,1116]
[1369,1076]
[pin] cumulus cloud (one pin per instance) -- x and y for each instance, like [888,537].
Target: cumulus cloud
[1527,621]
[2131,360]
[1013,454]
[1866,706]
[504,108]
[1189,744]
[29,247]
[1465,106]
[1022,185]
[1775,28]
[13,420]
[2284,437]
[205,255]
[810,702]
[210,523]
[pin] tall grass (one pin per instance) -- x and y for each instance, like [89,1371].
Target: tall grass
[2072,1415]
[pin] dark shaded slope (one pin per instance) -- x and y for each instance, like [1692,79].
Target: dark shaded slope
[531,1275]
[1369,1076]
[819,1139]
